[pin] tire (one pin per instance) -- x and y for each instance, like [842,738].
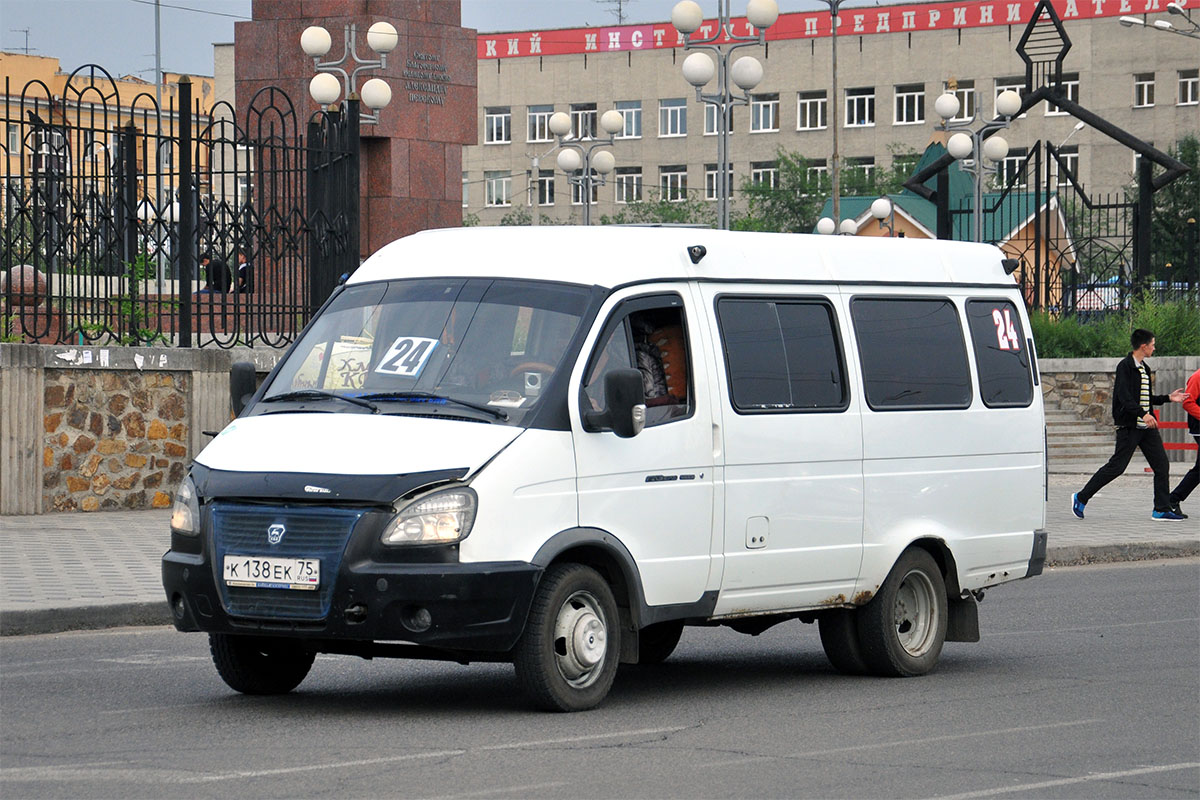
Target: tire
[567,656]
[839,637]
[902,630]
[260,664]
[657,642]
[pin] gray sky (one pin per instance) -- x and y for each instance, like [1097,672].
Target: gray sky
[119,34]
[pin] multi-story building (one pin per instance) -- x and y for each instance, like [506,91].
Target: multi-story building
[893,62]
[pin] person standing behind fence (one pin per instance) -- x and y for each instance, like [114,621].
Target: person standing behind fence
[1189,481]
[245,272]
[1133,400]
[216,275]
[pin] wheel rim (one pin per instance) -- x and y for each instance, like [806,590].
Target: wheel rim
[580,639]
[916,614]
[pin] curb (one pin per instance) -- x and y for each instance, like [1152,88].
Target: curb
[120,615]
[84,618]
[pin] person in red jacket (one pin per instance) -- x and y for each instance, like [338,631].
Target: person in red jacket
[1133,402]
[1189,480]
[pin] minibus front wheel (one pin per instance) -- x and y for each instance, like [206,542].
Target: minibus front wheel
[260,664]
[902,630]
[567,657]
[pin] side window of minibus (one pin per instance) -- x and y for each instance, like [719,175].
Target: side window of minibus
[652,339]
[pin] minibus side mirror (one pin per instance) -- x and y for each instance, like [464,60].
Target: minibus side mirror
[626,412]
[243,382]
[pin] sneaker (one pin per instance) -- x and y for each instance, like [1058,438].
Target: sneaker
[1077,506]
[1170,515]
[1179,511]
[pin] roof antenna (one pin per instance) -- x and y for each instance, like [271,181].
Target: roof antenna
[697,252]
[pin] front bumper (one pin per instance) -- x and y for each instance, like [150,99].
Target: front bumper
[370,593]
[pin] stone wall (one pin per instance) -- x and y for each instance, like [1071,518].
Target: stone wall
[113,439]
[103,428]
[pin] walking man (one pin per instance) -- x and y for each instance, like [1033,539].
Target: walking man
[1133,399]
[1189,481]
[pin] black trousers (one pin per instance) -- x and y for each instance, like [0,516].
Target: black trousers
[1181,492]
[1129,439]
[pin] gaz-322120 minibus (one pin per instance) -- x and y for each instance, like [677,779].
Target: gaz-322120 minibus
[559,447]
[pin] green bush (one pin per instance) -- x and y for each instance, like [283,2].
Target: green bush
[1176,329]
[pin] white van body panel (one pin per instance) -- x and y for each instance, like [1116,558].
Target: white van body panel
[526,495]
[353,444]
[665,524]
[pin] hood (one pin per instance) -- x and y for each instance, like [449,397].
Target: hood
[354,444]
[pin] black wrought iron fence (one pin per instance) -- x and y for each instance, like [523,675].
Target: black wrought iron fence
[130,223]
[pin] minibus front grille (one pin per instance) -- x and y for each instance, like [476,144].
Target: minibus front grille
[308,532]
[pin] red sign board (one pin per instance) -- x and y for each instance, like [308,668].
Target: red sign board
[804,25]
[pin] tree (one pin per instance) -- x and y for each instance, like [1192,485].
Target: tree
[1174,238]
[655,210]
[801,188]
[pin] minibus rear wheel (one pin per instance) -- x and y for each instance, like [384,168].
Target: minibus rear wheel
[567,657]
[260,664]
[902,630]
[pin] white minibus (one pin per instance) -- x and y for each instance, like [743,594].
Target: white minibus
[560,446]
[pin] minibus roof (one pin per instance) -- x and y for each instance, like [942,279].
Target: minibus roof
[613,255]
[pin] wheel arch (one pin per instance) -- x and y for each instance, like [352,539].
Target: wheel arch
[606,554]
[945,560]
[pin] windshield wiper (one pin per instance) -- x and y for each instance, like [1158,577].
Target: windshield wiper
[314,394]
[430,396]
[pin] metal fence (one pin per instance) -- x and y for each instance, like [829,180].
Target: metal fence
[131,223]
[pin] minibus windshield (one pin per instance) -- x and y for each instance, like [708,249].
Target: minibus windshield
[469,348]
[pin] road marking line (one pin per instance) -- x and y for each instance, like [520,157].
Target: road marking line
[1100,776]
[1097,627]
[908,742]
[438,754]
[500,790]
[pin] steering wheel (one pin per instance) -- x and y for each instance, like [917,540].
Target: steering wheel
[532,366]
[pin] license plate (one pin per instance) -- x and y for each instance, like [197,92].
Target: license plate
[268,572]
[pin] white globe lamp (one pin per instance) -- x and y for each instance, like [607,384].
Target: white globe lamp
[611,122]
[604,162]
[376,93]
[382,37]
[960,146]
[560,123]
[947,106]
[315,41]
[1008,103]
[569,160]
[881,209]
[762,13]
[826,226]
[848,227]
[698,69]
[746,73]
[324,88]
[687,17]
[995,148]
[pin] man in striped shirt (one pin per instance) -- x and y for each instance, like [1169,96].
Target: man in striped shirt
[1133,399]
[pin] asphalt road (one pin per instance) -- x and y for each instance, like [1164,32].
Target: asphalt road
[1086,684]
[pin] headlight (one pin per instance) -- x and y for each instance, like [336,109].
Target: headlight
[438,518]
[185,518]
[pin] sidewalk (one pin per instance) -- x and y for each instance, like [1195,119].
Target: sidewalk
[62,572]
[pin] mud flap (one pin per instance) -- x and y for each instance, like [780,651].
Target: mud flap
[963,623]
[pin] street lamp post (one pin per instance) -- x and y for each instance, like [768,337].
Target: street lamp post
[884,210]
[325,87]
[1176,9]
[835,170]
[699,69]
[971,146]
[578,157]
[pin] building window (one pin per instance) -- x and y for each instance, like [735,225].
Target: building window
[860,108]
[631,113]
[545,187]
[1143,90]
[1068,156]
[912,353]
[710,181]
[965,92]
[1189,87]
[673,183]
[1012,169]
[862,167]
[629,184]
[497,126]
[539,124]
[764,173]
[1070,87]
[14,139]
[1015,84]
[672,117]
[910,104]
[583,120]
[710,119]
[764,113]
[811,108]
[578,192]
[816,177]
[497,188]
[466,186]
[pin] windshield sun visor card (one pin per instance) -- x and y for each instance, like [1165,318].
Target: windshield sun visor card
[407,356]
